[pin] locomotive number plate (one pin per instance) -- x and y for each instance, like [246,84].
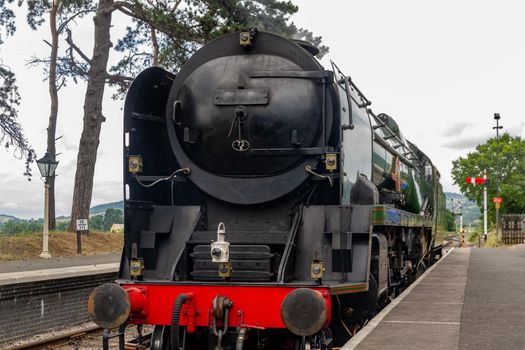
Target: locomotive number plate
[234,97]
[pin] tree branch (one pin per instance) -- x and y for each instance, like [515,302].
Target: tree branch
[64,25]
[155,46]
[72,45]
[138,12]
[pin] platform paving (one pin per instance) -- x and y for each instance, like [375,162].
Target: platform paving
[427,316]
[57,262]
[493,316]
[472,299]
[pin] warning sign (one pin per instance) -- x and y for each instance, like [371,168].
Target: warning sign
[82,224]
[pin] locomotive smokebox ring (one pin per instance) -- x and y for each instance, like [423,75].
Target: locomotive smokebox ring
[229,116]
[304,312]
[109,305]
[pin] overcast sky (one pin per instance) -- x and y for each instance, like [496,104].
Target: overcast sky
[441,69]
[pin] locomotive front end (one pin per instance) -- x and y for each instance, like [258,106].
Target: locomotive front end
[266,205]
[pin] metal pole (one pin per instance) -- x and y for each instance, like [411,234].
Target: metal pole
[497,127]
[461,230]
[497,221]
[79,242]
[461,219]
[45,252]
[485,205]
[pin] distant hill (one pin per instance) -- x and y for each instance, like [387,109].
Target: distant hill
[101,209]
[5,218]
[96,210]
[471,211]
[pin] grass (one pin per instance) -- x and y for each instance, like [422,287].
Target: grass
[474,236]
[29,245]
[491,242]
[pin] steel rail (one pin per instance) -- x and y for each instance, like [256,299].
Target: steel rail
[57,338]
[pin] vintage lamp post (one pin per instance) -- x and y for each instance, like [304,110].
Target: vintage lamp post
[47,166]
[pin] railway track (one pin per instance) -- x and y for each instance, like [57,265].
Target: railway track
[83,339]
[59,341]
[453,240]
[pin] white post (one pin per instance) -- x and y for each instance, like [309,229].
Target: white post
[461,222]
[485,205]
[45,253]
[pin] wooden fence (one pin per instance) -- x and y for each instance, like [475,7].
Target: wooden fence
[513,228]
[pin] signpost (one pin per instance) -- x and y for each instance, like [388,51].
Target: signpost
[82,226]
[497,201]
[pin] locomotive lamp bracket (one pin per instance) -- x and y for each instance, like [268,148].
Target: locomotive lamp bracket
[220,252]
[316,270]
[225,269]
[246,37]
[135,164]
[220,249]
[331,161]
[136,264]
[136,268]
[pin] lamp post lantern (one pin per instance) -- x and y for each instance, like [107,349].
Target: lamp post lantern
[47,166]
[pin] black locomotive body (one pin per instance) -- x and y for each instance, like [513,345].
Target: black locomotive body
[266,206]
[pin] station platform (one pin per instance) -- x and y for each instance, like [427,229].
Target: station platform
[42,296]
[34,270]
[57,262]
[471,299]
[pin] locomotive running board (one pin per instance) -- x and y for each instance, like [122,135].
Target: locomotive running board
[348,288]
[383,215]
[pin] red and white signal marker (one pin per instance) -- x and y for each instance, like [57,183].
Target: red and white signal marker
[476,180]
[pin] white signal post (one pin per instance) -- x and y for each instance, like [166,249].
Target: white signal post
[461,220]
[485,205]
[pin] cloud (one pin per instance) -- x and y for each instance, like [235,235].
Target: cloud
[67,144]
[9,206]
[107,191]
[464,143]
[516,130]
[456,129]
[67,169]
[22,198]
[470,142]
[26,199]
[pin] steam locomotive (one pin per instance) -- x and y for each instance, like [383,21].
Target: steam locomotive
[266,205]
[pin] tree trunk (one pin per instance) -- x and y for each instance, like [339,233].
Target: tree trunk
[155,47]
[53,93]
[93,118]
